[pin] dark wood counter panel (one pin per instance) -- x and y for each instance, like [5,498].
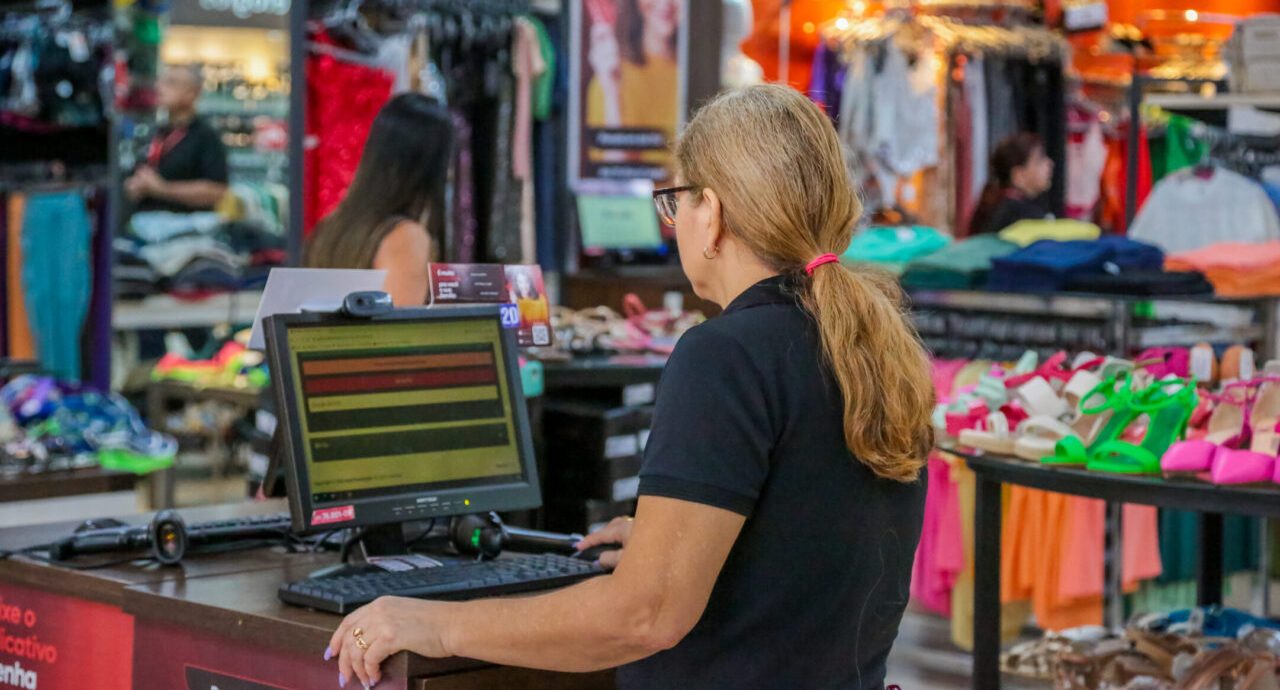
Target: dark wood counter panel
[106,585]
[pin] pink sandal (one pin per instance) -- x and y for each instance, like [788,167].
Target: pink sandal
[1228,428]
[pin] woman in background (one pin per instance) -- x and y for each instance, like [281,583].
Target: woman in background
[382,221]
[1020,174]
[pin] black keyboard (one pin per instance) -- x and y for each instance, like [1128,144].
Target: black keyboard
[465,580]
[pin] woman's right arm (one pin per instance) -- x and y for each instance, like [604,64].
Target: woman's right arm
[404,254]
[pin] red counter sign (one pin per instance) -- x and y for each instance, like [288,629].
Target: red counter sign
[54,642]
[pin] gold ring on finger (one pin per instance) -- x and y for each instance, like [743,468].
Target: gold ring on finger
[362,644]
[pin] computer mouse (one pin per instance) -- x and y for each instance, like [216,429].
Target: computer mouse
[593,554]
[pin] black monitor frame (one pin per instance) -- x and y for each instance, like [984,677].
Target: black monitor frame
[393,508]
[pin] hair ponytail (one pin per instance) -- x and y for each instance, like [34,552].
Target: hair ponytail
[880,367]
[777,165]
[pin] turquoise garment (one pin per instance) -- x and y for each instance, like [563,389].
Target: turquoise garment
[892,248]
[1180,544]
[960,266]
[56,281]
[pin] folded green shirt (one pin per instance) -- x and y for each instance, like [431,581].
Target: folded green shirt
[960,266]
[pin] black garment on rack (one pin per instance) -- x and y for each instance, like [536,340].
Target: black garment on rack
[1043,110]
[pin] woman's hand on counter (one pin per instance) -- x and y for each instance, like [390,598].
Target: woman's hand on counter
[388,625]
[618,531]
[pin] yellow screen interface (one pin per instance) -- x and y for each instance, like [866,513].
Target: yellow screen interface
[395,407]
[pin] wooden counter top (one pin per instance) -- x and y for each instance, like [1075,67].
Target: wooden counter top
[106,585]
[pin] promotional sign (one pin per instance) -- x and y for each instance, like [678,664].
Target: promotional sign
[172,658]
[627,87]
[519,288]
[53,642]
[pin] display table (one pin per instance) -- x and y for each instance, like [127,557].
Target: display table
[1208,500]
[95,480]
[212,622]
[65,494]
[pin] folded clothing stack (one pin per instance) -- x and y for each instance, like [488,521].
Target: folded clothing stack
[960,266]
[892,248]
[1027,232]
[1050,266]
[1236,269]
[193,254]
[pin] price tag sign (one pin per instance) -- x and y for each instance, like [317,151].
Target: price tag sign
[510,316]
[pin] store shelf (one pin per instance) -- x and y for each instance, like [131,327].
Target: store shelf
[1193,101]
[165,312]
[1084,305]
[1127,488]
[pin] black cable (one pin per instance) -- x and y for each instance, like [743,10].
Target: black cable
[424,534]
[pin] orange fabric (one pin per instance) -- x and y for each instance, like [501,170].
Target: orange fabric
[21,343]
[1236,269]
[1053,553]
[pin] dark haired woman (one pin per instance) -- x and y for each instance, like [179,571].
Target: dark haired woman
[1020,174]
[382,221]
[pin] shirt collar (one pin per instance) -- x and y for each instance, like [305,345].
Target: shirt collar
[779,289]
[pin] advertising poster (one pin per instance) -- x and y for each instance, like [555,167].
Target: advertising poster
[520,287]
[627,88]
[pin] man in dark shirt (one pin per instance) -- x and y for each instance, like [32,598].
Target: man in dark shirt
[186,166]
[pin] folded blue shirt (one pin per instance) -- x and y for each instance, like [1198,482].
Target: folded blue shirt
[1045,266]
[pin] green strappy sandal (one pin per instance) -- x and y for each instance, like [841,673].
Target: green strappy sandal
[1117,394]
[1169,413]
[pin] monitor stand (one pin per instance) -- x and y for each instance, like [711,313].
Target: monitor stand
[379,540]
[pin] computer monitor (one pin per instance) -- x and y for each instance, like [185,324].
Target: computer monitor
[413,415]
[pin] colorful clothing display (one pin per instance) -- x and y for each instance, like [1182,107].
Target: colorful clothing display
[1189,210]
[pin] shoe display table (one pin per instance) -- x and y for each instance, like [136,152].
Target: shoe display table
[1210,501]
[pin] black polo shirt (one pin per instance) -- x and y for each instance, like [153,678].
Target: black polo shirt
[198,155]
[749,419]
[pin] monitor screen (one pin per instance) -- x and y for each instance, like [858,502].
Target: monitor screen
[617,221]
[403,417]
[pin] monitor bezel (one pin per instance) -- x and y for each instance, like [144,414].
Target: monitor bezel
[370,511]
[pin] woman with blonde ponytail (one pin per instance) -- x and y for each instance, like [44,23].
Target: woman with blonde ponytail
[781,495]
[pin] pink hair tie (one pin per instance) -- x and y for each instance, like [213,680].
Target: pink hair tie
[823,259]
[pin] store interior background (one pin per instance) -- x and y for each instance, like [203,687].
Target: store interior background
[165,352]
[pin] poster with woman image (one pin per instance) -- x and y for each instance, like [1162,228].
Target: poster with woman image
[627,88]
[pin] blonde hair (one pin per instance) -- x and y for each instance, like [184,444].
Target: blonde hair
[775,162]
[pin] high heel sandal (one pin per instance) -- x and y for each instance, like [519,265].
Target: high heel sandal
[1168,412]
[1228,428]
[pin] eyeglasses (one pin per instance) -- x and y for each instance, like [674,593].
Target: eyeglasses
[665,201]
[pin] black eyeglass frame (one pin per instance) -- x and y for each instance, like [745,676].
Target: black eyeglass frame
[659,194]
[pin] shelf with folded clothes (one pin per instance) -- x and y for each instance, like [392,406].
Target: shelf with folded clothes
[169,311]
[193,254]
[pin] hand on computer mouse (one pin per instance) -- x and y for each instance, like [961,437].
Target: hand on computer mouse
[603,541]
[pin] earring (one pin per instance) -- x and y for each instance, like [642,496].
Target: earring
[712,255]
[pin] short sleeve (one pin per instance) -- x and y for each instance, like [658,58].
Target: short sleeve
[213,163]
[711,438]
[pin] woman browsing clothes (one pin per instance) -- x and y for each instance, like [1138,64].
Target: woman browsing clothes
[781,496]
[1021,173]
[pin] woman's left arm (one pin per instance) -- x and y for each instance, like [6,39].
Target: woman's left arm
[649,603]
